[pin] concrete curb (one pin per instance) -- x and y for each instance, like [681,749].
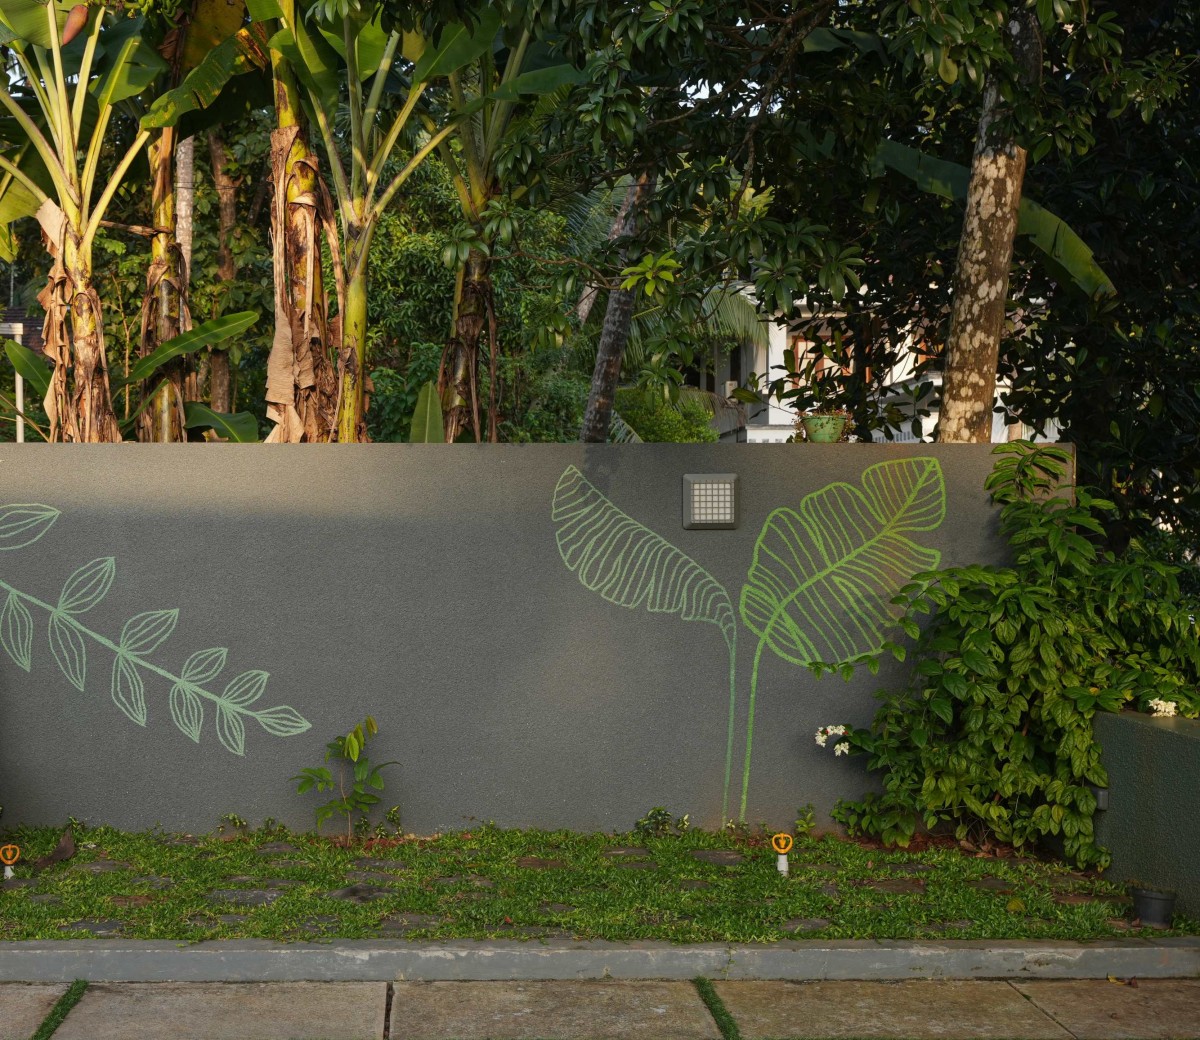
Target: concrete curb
[114,960]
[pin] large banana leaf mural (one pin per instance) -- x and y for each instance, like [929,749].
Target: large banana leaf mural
[631,566]
[820,584]
[69,640]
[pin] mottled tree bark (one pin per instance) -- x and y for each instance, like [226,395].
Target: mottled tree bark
[219,395]
[985,257]
[458,377]
[614,334]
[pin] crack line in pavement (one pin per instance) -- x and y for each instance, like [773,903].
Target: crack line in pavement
[1030,999]
[387,1011]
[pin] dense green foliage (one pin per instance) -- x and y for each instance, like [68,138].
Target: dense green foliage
[993,734]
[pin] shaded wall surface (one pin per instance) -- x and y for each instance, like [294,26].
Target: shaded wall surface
[1151,826]
[540,639]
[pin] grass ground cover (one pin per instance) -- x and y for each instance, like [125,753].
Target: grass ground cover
[493,883]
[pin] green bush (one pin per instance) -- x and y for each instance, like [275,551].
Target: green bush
[659,421]
[993,734]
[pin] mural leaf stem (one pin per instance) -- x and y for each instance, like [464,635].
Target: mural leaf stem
[750,730]
[730,728]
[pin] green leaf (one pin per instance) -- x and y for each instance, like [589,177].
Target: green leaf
[204,665]
[16,631]
[128,691]
[30,367]
[630,565]
[539,81]
[282,721]
[238,427]
[143,632]
[427,422]
[246,688]
[128,64]
[822,578]
[230,730]
[203,85]
[27,21]
[264,10]
[187,711]
[314,62]
[217,330]
[24,524]
[460,45]
[69,650]
[87,586]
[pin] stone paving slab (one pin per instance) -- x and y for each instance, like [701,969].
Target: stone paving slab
[560,1010]
[915,1010]
[22,1008]
[228,1011]
[1154,1009]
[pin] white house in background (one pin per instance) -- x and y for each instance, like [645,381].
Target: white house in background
[774,423]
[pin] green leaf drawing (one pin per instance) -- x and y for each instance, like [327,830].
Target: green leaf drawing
[231,731]
[144,632]
[87,586]
[16,631]
[187,711]
[141,635]
[128,690]
[631,566]
[246,688]
[282,721]
[822,579]
[69,649]
[204,664]
[22,525]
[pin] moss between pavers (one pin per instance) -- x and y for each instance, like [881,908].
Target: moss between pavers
[493,883]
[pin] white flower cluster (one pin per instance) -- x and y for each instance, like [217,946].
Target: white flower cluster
[1160,708]
[825,732]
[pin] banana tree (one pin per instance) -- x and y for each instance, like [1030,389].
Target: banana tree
[486,97]
[72,66]
[348,39]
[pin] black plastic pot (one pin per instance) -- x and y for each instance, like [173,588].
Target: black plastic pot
[1153,907]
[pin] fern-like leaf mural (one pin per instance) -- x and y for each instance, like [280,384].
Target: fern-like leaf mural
[631,566]
[69,638]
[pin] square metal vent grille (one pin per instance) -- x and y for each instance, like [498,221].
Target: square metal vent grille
[710,501]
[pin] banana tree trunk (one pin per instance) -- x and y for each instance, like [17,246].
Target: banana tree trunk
[219,396]
[352,360]
[614,334]
[301,383]
[984,258]
[458,378]
[163,308]
[74,340]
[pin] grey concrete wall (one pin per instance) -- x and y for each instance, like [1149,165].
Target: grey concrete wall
[424,585]
[1151,826]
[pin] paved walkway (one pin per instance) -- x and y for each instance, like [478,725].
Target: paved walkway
[1154,1009]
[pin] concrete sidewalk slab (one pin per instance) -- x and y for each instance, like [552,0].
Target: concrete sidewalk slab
[1154,1009]
[550,1011]
[923,1010]
[228,1011]
[22,1008]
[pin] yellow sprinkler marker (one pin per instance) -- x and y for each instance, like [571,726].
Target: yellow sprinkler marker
[782,844]
[9,854]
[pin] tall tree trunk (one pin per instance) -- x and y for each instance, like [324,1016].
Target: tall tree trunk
[302,389]
[74,339]
[226,187]
[985,257]
[458,376]
[614,334]
[163,309]
[352,359]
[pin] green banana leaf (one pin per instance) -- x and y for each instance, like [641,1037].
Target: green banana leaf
[29,367]
[427,422]
[216,330]
[240,427]
[820,586]
[459,46]
[202,86]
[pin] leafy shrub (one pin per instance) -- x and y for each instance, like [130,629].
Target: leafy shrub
[993,735]
[657,421]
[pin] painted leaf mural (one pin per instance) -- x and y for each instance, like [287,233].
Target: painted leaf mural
[68,638]
[823,576]
[630,565]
